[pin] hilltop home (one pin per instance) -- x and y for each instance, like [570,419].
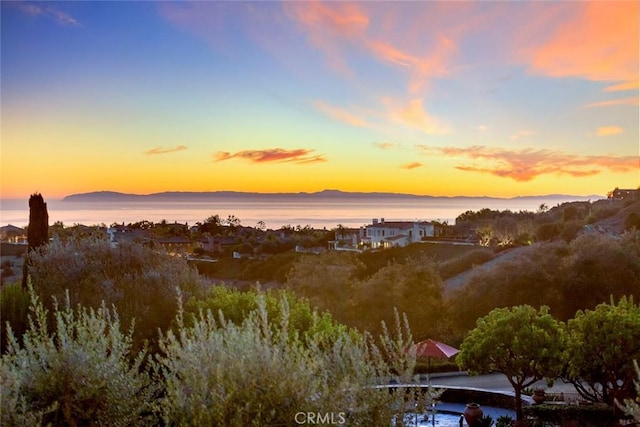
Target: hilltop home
[381,234]
[624,194]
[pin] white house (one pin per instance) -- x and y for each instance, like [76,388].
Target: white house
[381,234]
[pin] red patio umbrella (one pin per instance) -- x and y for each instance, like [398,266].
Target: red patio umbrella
[430,348]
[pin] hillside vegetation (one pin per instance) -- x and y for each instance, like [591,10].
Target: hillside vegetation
[128,335]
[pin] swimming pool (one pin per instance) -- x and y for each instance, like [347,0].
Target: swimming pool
[425,420]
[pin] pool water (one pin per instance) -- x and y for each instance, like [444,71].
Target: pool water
[425,420]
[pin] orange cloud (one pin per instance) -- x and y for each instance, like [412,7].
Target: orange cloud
[160,150]
[609,130]
[412,165]
[329,25]
[338,27]
[389,53]
[434,63]
[632,85]
[339,114]
[272,155]
[414,115]
[625,101]
[526,164]
[598,41]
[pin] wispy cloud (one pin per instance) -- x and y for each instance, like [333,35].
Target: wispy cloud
[162,150]
[414,115]
[521,134]
[624,101]
[272,155]
[386,145]
[50,12]
[631,85]
[609,130]
[340,114]
[411,165]
[330,27]
[435,63]
[527,164]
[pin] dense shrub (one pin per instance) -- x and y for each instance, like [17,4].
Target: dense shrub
[596,268]
[566,277]
[413,287]
[140,282]
[219,373]
[235,306]
[263,269]
[78,373]
[14,307]
[548,231]
[632,221]
[326,281]
[588,416]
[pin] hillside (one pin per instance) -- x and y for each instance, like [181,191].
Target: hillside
[614,224]
[617,222]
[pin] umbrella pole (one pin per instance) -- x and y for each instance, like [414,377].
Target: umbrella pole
[429,370]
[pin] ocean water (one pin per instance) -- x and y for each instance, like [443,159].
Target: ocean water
[327,213]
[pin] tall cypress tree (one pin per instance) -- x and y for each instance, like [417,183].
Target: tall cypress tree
[38,230]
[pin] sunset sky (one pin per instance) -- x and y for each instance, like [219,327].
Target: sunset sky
[441,98]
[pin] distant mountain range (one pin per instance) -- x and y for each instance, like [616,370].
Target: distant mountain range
[179,196]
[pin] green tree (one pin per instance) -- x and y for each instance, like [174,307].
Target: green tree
[485,234]
[37,232]
[601,348]
[212,225]
[232,222]
[523,344]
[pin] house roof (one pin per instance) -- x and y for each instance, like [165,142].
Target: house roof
[12,229]
[402,225]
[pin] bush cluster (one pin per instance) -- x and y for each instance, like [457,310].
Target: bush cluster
[79,372]
[567,277]
[257,371]
[141,283]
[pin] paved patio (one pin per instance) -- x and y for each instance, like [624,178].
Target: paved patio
[494,382]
